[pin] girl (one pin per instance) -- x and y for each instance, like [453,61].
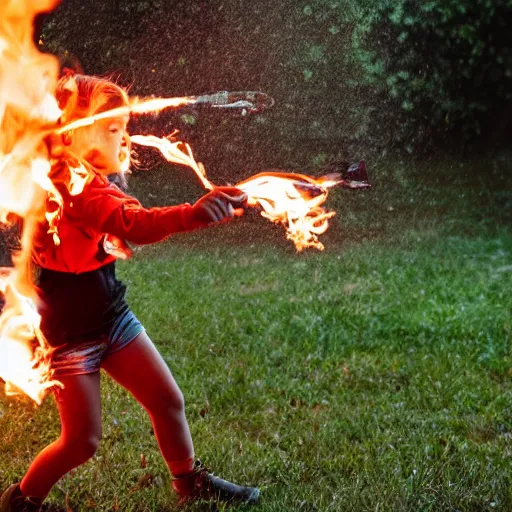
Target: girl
[84,313]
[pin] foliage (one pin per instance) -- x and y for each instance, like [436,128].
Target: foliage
[420,72]
[350,78]
[443,66]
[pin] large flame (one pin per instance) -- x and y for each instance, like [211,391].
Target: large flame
[24,361]
[28,108]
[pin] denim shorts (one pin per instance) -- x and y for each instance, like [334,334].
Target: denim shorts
[84,318]
[86,356]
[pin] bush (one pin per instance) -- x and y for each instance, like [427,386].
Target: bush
[441,68]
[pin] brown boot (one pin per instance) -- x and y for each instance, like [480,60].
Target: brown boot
[204,485]
[13,500]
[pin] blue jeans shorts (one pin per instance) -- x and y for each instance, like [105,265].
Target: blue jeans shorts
[85,356]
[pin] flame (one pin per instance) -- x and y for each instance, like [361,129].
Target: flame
[176,152]
[24,363]
[293,200]
[28,109]
[137,107]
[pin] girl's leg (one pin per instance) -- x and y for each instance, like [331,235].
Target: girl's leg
[141,370]
[80,415]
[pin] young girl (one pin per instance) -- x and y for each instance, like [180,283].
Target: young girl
[84,313]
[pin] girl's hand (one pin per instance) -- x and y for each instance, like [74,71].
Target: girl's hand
[222,203]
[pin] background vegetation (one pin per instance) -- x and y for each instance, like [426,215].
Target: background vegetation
[349,77]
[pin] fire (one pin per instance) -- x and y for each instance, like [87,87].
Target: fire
[30,179]
[252,101]
[137,107]
[24,361]
[175,152]
[293,200]
[28,109]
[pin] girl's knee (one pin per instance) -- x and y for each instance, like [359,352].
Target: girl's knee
[168,404]
[179,400]
[82,448]
[173,403]
[90,445]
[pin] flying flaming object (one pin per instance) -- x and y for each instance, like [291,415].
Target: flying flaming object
[291,199]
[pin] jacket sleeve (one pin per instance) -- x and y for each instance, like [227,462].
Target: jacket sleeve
[108,210]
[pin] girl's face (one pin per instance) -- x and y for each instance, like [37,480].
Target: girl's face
[101,144]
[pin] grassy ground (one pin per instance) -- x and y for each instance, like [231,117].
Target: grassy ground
[375,376]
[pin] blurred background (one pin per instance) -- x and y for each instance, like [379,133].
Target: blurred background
[350,78]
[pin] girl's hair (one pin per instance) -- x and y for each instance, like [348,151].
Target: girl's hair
[81,95]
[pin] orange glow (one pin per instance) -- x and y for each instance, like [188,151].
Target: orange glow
[24,361]
[293,200]
[137,107]
[28,109]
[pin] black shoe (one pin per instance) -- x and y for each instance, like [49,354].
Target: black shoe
[204,485]
[13,500]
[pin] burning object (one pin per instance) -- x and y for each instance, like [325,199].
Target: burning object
[295,201]
[246,101]
[291,199]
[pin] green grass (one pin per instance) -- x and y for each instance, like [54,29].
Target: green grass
[375,376]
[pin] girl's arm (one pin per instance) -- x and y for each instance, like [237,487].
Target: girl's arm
[108,210]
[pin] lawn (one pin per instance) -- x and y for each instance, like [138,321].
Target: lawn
[373,376]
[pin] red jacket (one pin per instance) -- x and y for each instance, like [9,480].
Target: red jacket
[103,209]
